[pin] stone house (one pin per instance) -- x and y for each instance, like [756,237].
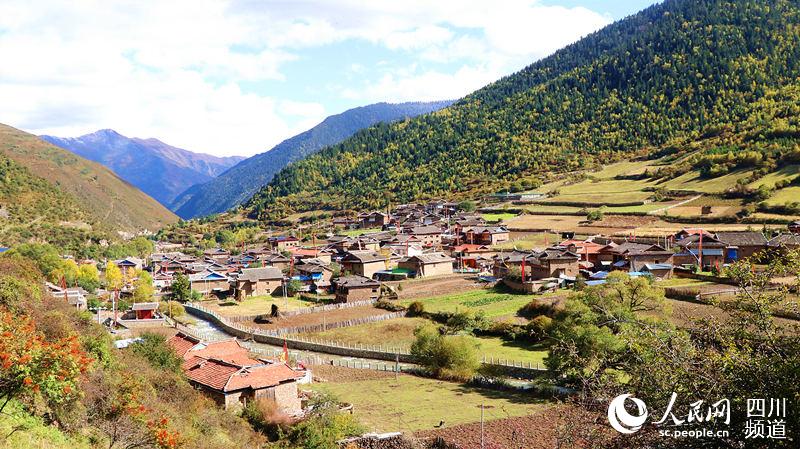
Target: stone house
[427,235]
[485,235]
[364,263]
[742,244]
[283,242]
[356,288]
[430,264]
[257,282]
[207,282]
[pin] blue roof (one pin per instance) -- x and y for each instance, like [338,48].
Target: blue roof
[657,266]
[313,277]
[599,275]
[620,263]
[635,274]
[3,249]
[708,252]
[590,283]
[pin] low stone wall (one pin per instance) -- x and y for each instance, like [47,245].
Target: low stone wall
[704,277]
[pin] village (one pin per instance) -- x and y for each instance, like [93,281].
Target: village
[272,318]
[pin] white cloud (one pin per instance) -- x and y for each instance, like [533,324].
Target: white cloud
[173,69]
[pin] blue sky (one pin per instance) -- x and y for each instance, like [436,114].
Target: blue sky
[238,76]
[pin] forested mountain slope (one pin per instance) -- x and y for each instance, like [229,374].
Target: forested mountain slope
[243,180]
[47,191]
[678,69]
[159,170]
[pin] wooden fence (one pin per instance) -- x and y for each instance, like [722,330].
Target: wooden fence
[305,310]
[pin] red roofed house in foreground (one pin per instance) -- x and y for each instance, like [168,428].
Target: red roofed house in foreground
[227,373]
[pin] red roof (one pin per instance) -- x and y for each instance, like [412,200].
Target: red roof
[211,373]
[470,248]
[226,377]
[583,247]
[230,351]
[305,252]
[182,343]
[263,376]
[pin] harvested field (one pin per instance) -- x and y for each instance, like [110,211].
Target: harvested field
[329,373]
[425,287]
[255,305]
[540,430]
[333,316]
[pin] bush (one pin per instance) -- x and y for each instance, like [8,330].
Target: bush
[171,309]
[446,357]
[536,308]
[265,416]
[158,353]
[467,321]
[388,305]
[539,327]
[416,308]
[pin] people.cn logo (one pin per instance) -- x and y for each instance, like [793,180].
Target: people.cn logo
[621,420]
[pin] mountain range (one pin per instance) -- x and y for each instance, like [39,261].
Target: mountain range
[240,182]
[677,71]
[50,194]
[159,170]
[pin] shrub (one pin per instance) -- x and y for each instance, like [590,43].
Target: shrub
[446,357]
[265,416]
[171,309]
[536,308]
[388,305]
[416,308]
[539,327]
[467,321]
[158,353]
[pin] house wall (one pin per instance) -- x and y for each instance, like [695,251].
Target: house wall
[259,288]
[284,395]
[429,239]
[355,294]
[366,269]
[569,268]
[208,286]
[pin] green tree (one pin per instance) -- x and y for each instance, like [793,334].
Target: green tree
[180,288]
[446,357]
[154,348]
[143,287]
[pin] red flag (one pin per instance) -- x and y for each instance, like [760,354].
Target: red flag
[523,269]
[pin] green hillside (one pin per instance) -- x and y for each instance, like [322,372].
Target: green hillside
[659,81]
[48,193]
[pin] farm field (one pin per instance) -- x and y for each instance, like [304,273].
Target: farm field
[256,305]
[785,173]
[693,181]
[497,217]
[331,316]
[399,332]
[412,403]
[785,195]
[528,241]
[357,232]
[431,286]
[493,303]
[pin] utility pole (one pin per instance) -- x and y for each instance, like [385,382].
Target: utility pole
[481,425]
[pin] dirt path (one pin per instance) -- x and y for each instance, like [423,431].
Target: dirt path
[663,209]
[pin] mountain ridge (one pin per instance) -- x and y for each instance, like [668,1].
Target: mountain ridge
[158,169]
[241,181]
[52,190]
[678,68]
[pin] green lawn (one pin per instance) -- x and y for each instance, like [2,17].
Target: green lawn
[493,303]
[412,403]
